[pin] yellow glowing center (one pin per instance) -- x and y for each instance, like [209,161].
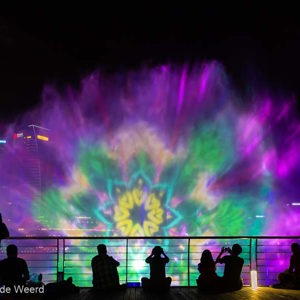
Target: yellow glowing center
[133,202]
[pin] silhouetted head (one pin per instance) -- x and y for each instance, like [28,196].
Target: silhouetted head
[101,249]
[206,256]
[0,218]
[12,250]
[157,251]
[236,249]
[295,248]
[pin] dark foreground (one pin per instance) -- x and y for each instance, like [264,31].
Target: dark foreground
[180,293]
[191,293]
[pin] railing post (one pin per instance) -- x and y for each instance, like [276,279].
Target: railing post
[60,258]
[250,254]
[126,259]
[253,263]
[57,256]
[253,253]
[189,242]
[63,266]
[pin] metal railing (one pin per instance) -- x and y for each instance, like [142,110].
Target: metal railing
[269,255]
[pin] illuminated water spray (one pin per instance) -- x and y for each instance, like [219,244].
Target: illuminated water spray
[162,151]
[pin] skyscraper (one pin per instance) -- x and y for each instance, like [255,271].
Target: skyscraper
[32,156]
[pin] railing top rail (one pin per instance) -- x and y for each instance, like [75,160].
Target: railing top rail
[148,238]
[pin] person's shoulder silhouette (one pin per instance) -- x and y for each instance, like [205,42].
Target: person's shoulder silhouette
[208,278]
[104,267]
[4,233]
[14,270]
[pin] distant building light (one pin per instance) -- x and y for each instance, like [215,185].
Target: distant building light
[29,136]
[296,203]
[18,135]
[2,141]
[42,137]
[259,216]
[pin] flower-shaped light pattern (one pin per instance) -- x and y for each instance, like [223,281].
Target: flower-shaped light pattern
[163,151]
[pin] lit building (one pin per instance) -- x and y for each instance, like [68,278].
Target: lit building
[32,145]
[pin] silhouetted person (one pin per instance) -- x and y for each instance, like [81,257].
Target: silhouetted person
[4,233]
[105,273]
[291,277]
[158,280]
[231,280]
[13,269]
[59,289]
[208,280]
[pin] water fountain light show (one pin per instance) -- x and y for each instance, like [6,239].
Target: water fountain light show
[162,151]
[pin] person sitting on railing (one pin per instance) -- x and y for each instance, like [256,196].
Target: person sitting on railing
[105,273]
[208,279]
[231,280]
[158,279]
[13,269]
[291,277]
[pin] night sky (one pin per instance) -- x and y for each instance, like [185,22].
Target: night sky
[258,44]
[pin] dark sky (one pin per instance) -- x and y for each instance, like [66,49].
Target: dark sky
[259,44]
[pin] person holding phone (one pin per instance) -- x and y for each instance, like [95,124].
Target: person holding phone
[231,280]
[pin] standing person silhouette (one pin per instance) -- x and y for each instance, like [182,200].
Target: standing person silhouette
[4,233]
[105,273]
[13,269]
[231,280]
[208,280]
[158,280]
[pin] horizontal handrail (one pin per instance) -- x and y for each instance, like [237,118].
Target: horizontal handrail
[152,237]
